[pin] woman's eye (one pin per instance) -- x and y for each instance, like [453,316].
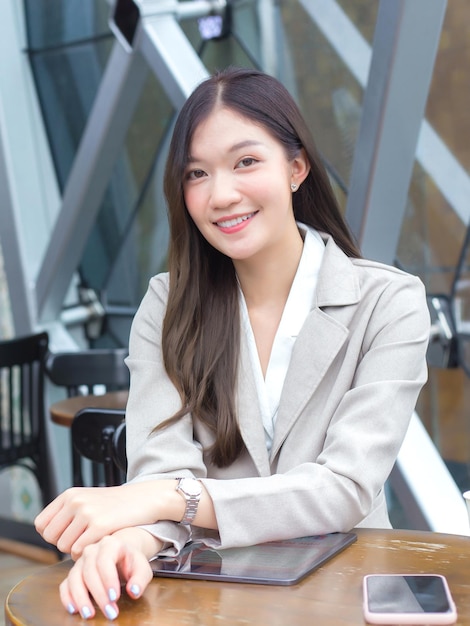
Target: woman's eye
[195,174]
[246,162]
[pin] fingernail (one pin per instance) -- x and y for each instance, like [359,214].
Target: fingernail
[111,612]
[71,609]
[85,612]
[135,590]
[112,595]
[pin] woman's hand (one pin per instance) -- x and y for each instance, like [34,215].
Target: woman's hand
[103,566]
[81,516]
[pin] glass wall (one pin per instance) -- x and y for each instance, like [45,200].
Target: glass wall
[69,44]
[435,228]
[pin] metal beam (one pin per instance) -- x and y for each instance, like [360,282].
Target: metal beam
[171,57]
[404,50]
[99,148]
[29,197]
[22,311]
[424,486]
[269,45]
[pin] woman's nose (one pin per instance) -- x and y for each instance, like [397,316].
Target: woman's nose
[224,191]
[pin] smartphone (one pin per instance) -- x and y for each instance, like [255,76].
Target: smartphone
[408,599]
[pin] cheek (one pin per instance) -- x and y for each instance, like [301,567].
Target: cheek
[273,184]
[277,195]
[193,202]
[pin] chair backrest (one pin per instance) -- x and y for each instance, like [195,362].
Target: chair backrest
[93,432]
[23,437]
[79,373]
[88,368]
[119,447]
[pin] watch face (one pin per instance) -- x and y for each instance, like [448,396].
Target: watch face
[190,486]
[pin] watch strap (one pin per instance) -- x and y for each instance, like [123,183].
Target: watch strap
[192,500]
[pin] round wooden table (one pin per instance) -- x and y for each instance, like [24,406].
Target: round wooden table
[64,411]
[331,596]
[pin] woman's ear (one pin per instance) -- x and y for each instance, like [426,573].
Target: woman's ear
[300,168]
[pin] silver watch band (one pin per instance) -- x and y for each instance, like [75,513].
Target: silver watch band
[190,489]
[190,512]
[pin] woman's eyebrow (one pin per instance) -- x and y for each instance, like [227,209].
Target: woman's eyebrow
[238,146]
[245,144]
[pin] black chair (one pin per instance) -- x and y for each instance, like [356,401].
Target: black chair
[80,373]
[119,447]
[99,435]
[23,435]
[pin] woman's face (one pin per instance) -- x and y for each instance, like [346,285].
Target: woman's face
[237,186]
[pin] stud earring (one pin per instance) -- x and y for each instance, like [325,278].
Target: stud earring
[293,187]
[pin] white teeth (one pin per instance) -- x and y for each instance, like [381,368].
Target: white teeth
[235,221]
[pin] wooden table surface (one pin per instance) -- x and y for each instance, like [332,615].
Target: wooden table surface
[64,411]
[331,596]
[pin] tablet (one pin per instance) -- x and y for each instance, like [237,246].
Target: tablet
[274,563]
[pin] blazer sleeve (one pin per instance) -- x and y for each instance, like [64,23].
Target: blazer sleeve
[170,452]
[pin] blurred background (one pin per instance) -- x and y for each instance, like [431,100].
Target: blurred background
[89,90]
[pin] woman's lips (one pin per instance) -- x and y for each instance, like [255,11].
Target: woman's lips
[235,222]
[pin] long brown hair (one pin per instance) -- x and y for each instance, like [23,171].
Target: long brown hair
[201,329]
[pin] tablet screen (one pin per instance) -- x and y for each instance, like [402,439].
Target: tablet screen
[277,562]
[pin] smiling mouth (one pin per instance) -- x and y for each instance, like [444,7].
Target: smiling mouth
[235,221]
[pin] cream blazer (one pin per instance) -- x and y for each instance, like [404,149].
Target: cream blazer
[356,370]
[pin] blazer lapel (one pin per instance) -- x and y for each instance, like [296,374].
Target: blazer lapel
[319,340]
[249,414]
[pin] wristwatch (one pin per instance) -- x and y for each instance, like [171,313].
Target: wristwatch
[190,489]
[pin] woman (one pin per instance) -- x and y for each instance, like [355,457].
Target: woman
[272,369]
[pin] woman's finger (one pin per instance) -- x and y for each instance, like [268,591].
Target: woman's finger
[66,598]
[116,557]
[47,517]
[74,594]
[137,572]
[79,537]
[100,575]
[96,576]
[54,520]
[139,579]
[99,511]
[86,585]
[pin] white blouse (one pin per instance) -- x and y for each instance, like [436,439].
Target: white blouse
[297,307]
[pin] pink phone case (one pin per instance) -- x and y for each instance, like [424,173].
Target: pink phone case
[449,617]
